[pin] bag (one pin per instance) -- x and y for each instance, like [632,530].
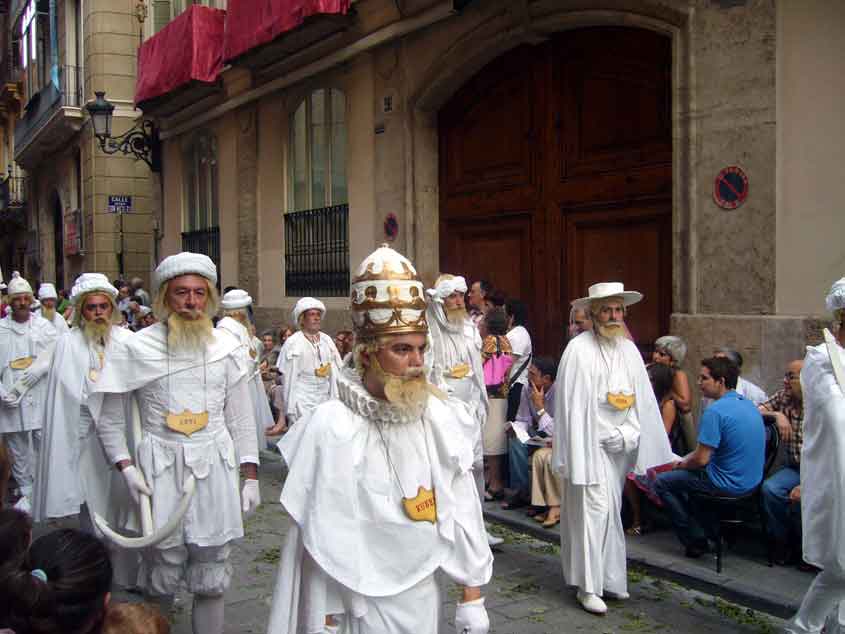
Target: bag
[496,370]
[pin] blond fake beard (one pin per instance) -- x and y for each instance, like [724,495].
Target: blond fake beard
[408,392]
[456,316]
[611,330]
[96,331]
[189,335]
[48,313]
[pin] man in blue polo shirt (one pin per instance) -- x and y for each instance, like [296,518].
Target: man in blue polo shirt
[728,459]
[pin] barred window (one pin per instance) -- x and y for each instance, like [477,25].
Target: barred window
[201,209]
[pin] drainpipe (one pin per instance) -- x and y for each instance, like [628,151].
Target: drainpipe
[54,45]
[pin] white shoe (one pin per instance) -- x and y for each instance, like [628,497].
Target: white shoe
[591,602]
[619,596]
[494,541]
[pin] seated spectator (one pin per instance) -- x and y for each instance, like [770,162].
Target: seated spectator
[276,393]
[579,321]
[536,404]
[545,481]
[744,388]
[61,586]
[497,362]
[661,377]
[781,492]
[728,459]
[671,352]
[476,300]
[267,360]
[134,618]
[15,535]
[343,341]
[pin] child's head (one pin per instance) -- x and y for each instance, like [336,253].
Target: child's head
[134,618]
[15,535]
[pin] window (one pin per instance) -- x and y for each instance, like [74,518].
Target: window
[201,215]
[33,33]
[317,166]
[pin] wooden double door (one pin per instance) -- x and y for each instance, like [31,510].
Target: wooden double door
[556,173]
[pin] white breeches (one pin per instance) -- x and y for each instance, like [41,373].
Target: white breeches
[592,540]
[205,569]
[824,596]
[415,611]
[24,447]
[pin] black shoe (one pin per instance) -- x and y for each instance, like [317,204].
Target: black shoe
[697,549]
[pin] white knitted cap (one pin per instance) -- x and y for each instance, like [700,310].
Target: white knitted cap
[47,291]
[185,263]
[91,283]
[236,298]
[836,297]
[446,287]
[19,286]
[307,303]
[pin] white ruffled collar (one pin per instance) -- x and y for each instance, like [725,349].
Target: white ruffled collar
[354,395]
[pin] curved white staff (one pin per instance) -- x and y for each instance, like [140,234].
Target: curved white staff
[150,536]
[835,360]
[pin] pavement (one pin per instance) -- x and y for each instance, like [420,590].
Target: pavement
[527,594]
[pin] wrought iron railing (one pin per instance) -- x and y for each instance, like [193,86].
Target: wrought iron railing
[317,252]
[12,192]
[206,241]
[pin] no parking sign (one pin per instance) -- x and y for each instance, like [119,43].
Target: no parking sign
[731,187]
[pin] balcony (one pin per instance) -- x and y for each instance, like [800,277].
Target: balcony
[317,252]
[51,118]
[13,195]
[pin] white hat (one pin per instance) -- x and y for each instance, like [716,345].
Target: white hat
[306,303]
[387,296]
[446,287]
[236,298]
[47,291]
[836,297]
[91,283]
[185,263]
[604,290]
[19,286]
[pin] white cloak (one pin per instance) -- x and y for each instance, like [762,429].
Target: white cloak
[31,339]
[72,467]
[58,322]
[353,550]
[164,383]
[302,390]
[823,461]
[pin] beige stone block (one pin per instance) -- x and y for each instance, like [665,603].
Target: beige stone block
[112,64]
[114,43]
[118,22]
[106,242]
[140,223]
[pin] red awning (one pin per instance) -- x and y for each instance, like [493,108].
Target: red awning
[189,48]
[251,23]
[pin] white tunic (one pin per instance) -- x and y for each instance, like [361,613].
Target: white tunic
[58,322]
[298,360]
[823,462]
[30,339]
[353,549]
[163,383]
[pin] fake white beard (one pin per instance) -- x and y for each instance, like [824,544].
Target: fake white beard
[612,329]
[48,313]
[189,335]
[97,331]
[455,316]
[408,392]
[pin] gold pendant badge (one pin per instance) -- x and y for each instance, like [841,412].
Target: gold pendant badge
[253,353]
[187,422]
[93,375]
[459,371]
[21,364]
[323,371]
[620,401]
[422,508]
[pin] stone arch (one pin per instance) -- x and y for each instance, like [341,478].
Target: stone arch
[496,34]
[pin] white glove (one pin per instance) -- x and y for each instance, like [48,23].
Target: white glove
[614,443]
[28,379]
[135,482]
[471,617]
[250,496]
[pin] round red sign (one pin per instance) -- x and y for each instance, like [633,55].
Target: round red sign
[731,187]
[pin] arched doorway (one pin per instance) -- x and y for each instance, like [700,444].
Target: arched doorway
[58,241]
[556,173]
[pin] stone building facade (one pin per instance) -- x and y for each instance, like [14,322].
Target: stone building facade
[752,83]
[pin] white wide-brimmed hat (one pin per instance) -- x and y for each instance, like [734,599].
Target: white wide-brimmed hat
[236,298]
[47,291]
[604,290]
[185,263]
[19,286]
[307,303]
[91,283]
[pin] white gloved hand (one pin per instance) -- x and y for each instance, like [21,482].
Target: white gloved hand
[250,496]
[11,399]
[135,482]
[471,617]
[28,379]
[614,443]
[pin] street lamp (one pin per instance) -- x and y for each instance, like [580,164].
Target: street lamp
[141,141]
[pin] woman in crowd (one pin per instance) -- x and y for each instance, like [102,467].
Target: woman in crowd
[276,393]
[497,362]
[671,351]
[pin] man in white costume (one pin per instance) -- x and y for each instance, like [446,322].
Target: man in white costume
[24,337]
[379,483]
[197,425]
[823,476]
[308,362]
[607,422]
[236,322]
[48,297]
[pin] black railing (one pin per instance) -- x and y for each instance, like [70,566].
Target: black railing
[317,252]
[12,192]
[206,241]
[40,108]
